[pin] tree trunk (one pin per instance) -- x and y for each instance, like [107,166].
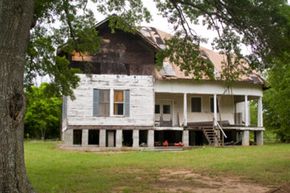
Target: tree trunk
[15,22]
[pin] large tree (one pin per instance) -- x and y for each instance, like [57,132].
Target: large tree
[261,24]
[15,22]
[277,100]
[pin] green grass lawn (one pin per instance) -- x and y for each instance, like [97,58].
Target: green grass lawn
[52,170]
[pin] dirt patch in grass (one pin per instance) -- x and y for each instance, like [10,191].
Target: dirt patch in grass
[174,180]
[285,188]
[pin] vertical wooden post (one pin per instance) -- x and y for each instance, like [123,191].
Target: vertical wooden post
[260,112]
[246,111]
[215,109]
[135,138]
[119,138]
[150,138]
[185,109]
[185,138]
[102,138]
[85,137]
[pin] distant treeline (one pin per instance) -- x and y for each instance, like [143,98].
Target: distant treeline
[43,113]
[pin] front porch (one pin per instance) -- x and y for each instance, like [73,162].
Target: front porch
[216,116]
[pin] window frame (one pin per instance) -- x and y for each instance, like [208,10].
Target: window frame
[119,115]
[101,103]
[191,109]
[159,109]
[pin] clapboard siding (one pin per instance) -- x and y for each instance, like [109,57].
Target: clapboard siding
[80,110]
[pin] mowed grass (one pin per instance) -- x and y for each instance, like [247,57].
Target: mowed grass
[52,170]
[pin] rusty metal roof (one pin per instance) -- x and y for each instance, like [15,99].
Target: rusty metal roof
[172,71]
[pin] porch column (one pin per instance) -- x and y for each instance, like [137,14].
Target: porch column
[246,134]
[119,138]
[259,137]
[215,109]
[85,137]
[246,111]
[185,138]
[185,109]
[246,138]
[150,138]
[135,138]
[260,112]
[102,138]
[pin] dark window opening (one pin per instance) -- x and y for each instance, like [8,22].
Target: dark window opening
[195,104]
[172,137]
[166,109]
[128,138]
[93,137]
[157,109]
[77,137]
[143,138]
[197,138]
[212,105]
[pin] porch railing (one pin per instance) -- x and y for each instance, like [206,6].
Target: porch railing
[221,129]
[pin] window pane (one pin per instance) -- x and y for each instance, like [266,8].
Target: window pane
[118,96]
[157,109]
[211,105]
[195,104]
[104,96]
[166,109]
[104,109]
[118,109]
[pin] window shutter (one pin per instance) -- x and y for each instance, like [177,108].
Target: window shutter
[96,98]
[127,103]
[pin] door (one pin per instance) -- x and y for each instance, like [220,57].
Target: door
[163,113]
[111,138]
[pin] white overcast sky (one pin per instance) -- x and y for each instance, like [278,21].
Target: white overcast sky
[161,23]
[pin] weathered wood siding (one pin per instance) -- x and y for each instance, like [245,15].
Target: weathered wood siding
[80,110]
[120,53]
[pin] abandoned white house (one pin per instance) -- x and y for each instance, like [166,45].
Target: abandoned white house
[123,100]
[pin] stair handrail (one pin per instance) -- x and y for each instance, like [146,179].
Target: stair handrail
[220,128]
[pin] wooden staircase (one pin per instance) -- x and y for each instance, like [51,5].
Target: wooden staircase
[213,137]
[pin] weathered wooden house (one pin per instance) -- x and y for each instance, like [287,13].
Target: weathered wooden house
[123,101]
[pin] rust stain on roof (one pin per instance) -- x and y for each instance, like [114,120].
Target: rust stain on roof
[172,71]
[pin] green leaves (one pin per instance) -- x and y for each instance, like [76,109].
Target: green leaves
[277,100]
[261,25]
[62,27]
[43,112]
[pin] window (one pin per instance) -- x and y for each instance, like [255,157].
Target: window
[211,105]
[101,100]
[157,109]
[166,109]
[93,137]
[102,104]
[196,104]
[118,102]
[77,137]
